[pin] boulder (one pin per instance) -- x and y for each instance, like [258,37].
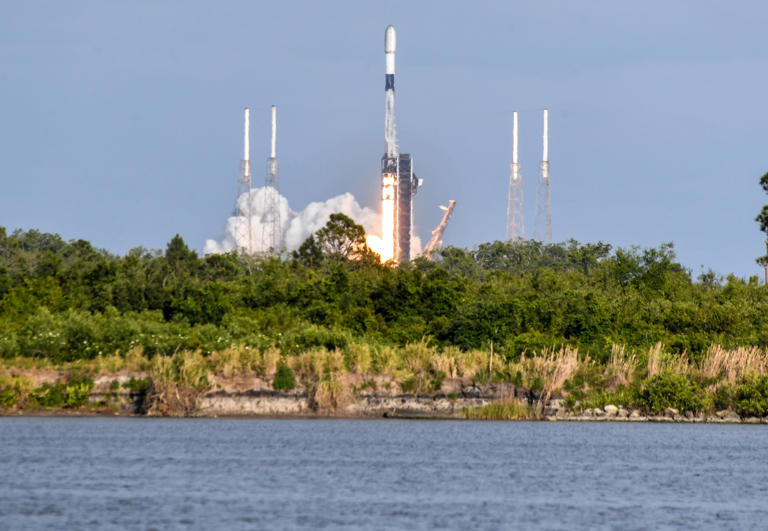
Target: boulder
[555,404]
[623,413]
[731,416]
[671,412]
[611,410]
[635,414]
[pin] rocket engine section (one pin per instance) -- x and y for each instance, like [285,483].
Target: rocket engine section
[398,186]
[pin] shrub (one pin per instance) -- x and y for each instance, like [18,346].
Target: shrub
[331,392]
[668,389]
[139,389]
[177,383]
[78,389]
[50,395]
[751,396]
[509,409]
[284,379]
[15,391]
[77,395]
[137,385]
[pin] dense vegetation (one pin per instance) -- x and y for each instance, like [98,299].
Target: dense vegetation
[68,302]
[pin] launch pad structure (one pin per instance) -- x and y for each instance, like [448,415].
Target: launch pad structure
[271,236]
[437,234]
[244,202]
[515,207]
[543,222]
[247,239]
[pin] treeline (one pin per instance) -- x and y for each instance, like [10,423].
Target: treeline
[67,301]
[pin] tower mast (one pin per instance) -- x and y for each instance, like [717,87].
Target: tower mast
[543,207]
[244,201]
[515,211]
[271,236]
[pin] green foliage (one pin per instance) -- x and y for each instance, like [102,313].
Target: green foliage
[284,379]
[762,217]
[505,410]
[51,395]
[77,395]
[66,301]
[409,385]
[672,390]
[138,385]
[14,391]
[751,396]
[623,396]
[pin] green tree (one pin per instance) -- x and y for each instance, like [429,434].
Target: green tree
[762,219]
[341,239]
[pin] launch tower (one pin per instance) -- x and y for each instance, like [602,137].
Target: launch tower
[543,211]
[271,237]
[515,217]
[244,203]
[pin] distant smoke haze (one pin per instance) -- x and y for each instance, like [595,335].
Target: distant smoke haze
[296,226]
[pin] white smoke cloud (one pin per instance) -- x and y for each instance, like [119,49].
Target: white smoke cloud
[296,226]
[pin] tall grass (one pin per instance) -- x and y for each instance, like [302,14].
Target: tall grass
[177,383]
[508,409]
[731,365]
[327,376]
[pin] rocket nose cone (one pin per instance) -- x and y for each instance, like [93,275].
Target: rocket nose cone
[389,39]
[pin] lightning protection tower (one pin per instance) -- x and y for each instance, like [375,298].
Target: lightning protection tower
[244,201]
[271,237]
[515,218]
[543,211]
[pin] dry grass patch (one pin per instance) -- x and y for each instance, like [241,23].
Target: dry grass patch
[731,365]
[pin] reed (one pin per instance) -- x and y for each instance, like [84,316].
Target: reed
[508,409]
[177,383]
[620,369]
[331,392]
[731,365]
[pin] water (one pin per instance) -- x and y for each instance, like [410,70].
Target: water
[132,473]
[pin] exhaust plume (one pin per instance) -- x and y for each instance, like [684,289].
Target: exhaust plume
[296,227]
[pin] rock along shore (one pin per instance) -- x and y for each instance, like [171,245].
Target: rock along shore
[375,397]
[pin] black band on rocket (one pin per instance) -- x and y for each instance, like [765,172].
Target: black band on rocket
[389,82]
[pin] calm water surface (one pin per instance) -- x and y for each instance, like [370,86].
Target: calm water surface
[129,473]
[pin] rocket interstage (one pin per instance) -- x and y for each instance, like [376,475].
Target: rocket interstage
[398,182]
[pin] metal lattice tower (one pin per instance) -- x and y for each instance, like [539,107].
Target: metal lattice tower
[244,201]
[271,237]
[543,211]
[515,217]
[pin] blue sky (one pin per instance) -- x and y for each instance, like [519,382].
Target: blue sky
[120,122]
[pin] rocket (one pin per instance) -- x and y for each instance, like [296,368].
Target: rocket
[398,181]
[389,162]
[389,91]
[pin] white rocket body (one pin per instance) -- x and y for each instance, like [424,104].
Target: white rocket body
[545,147]
[247,143]
[390,135]
[272,163]
[390,43]
[514,137]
